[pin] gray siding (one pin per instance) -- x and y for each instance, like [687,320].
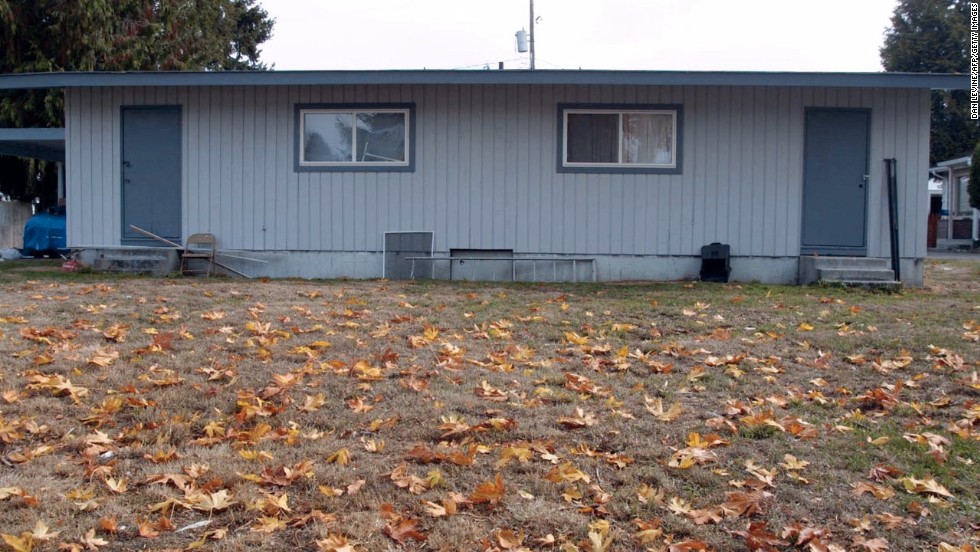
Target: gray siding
[485,171]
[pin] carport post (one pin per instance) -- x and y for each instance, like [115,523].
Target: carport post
[61,181]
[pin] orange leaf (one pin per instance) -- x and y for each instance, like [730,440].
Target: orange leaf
[490,492]
[403,530]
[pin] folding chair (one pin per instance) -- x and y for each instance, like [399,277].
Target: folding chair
[199,246]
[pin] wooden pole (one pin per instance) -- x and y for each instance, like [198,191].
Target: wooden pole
[156,237]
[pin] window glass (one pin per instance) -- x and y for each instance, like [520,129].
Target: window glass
[381,137]
[965,195]
[648,138]
[327,137]
[592,138]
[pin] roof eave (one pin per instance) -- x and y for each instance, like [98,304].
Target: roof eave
[540,77]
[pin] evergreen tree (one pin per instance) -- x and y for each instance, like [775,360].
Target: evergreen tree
[933,36]
[114,35]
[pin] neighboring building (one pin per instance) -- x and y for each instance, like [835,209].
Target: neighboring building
[632,171]
[957,224]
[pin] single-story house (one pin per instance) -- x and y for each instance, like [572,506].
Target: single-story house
[629,173]
[956,226]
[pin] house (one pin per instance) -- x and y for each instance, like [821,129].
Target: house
[957,224]
[612,175]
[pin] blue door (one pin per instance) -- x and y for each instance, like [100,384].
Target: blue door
[835,182]
[151,174]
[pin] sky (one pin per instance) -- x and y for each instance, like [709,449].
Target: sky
[697,35]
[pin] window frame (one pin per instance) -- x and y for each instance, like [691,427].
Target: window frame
[300,165]
[564,109]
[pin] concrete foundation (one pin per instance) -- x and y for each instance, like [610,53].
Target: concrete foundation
[328,264]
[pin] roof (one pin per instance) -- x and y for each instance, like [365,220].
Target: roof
[37,143]
[542,77]
[957,163]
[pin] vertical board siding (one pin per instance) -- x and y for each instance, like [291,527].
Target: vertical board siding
[485,176]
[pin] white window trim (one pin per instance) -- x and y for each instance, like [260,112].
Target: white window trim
[619,149]
[353,112]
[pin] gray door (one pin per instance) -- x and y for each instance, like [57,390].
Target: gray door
[151,174]
[835,182]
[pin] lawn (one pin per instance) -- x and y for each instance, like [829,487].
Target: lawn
[141,413]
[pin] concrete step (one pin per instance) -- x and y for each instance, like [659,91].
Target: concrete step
[851,262]
[137,260]
[869,284]
[855,275]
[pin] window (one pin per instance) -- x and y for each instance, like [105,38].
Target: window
[604,138]
[964,207]
[354,137]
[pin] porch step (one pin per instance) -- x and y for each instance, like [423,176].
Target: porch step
[134,260]
[850,271]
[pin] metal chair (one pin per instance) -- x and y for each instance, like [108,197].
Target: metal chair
[199,246]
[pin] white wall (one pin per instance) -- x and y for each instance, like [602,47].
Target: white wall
[485,171]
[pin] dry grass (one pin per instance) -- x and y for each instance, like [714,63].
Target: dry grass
[293,398]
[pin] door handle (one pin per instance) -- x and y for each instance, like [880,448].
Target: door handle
[127,164]
[864,180]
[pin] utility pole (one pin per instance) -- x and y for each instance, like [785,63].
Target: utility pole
[531,38]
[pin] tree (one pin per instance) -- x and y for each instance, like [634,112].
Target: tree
[932,36]
[116,35]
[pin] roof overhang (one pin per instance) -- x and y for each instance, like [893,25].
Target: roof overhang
[958,163]
[541,77]
[37,143]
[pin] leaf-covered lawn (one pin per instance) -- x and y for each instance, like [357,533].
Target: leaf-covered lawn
[229,415]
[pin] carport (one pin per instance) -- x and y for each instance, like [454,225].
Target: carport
[47,144]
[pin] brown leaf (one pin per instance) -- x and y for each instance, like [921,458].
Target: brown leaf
[489,492]
[404,530]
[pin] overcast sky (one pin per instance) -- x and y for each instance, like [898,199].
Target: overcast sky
[750,35]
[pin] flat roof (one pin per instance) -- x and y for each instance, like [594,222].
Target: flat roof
[542,77]
[36,143]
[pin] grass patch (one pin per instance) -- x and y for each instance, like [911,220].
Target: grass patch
[323,410]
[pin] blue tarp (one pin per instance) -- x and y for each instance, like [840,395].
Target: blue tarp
[45,232]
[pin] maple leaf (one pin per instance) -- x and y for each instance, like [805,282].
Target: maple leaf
[211,502]
[268,524]
[489,492]
[91,542]
[109,525]
[312,403]
[118,486]
[446,509]
[104,357]
[579,420]
[403,530]
[341,457]
[927,485]
[22,543]
[405,480]
[335,543]
[490,393]
[567,473]
[42,532]
[878,491]
[871,545]
[146,528]
[689,546]
[744,503]
[759,540]
[656,407]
